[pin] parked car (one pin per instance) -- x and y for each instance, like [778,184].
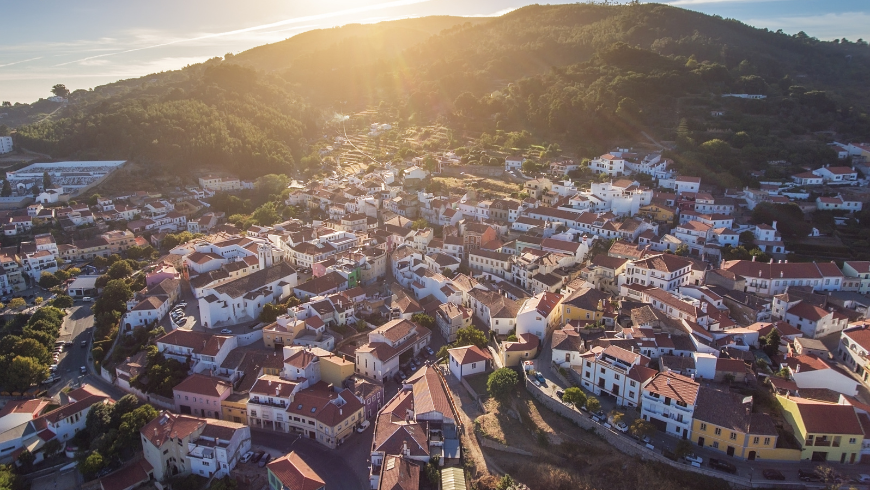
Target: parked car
[808,475]
[264,460]
[430,351]
[257,456]
[247,457]
[621,427]
[599,416]
[226,331]
[84,344]
[541,379]
[772,474]
[718,464]
[88,299]
[363,426]
[536,382]
[84,370]
[693,458]
[51,379]
[52,368]
[183,304]
[560,394]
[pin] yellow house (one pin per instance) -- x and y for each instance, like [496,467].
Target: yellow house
[335,369]
[584,304]
[827,431]
[725,422]
[524,349]
[235,408]
[658,212]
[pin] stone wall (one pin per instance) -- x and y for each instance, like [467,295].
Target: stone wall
[628,446]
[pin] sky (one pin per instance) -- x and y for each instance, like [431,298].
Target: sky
[86,43]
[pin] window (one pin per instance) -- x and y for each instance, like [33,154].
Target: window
[253,413]
[718,431]
[632,384]
[703,426]
[716,444]
[733,436]
[766,441]
[755,440]
[602,370]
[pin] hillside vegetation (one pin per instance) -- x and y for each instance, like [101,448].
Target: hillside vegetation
[587,76]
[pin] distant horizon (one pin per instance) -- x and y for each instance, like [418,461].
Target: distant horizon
[91,43]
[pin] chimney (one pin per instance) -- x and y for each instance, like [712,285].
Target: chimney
[753,258]
[405,451]
[771,261]
[270,382]
[797,369]
[773,225]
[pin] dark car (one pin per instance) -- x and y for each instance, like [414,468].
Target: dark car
[257,456]
[772,474]
[808,475]
[541,379]
[560,394]
[264,460]
[718,464]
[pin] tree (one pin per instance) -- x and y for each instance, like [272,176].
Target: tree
[7,189]
[92,464]
[424,320]
[60,90]
[26,459]
[17,303]
[505,483]
[266,215]
[575,396]
[225,483]
[51,448]
[271,312]
[62,301]
[131,423]
[24,372]
[46,180]
[34,349]
[419,224]
[592,404]
[771,342]
[114,298]
[615,416]
[683,448]
[8,478]
[501,382]
[48,280]
[470,335]
[682,250]
[641,428]
[119,270]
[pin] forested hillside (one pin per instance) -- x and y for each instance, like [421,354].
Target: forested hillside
[588,76]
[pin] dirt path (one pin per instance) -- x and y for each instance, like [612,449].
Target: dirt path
[468,411]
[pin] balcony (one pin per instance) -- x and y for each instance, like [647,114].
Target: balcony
[265,401]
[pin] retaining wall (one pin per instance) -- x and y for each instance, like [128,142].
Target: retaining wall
[628,446]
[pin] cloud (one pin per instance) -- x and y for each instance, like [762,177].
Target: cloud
[22,61]
[851,25]
[296,20]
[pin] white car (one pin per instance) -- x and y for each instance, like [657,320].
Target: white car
[621,427]
[226,331]
[247,457]
[84,370]
[363,426]
[692,458]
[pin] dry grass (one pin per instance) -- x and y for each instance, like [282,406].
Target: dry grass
[567,457]
[487,185]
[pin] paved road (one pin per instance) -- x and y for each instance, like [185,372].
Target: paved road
[662,441]
[77,326]
[343,468]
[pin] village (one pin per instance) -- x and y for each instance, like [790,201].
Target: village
[365,333]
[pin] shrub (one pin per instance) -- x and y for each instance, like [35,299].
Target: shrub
[501,382]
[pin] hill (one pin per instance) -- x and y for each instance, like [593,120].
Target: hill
[587,76]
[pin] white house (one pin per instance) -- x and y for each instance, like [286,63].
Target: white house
[854,349]
[608,164]
[468,360]
[510,163]
[668,403]
[616,372]
[539,314]
[837,175]
[837,203]
[240,299]
[5,144]
[810,371]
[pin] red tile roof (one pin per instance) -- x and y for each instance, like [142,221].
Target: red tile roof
[469,354]
[201,384]
[295,473]
[674,386]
